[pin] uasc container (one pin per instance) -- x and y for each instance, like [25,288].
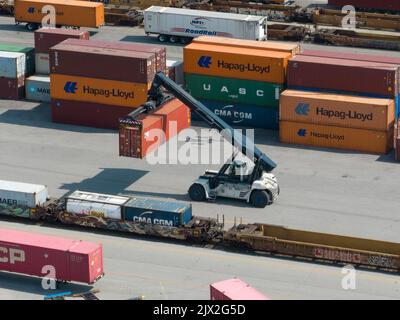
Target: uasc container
[234,289]
[45,38]
[29,254]
[37,88]
[18,194]
[12,64]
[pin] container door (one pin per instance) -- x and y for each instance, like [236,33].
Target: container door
[135,142]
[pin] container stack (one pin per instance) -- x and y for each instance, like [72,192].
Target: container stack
[95,83]
[239,80]
[345,101]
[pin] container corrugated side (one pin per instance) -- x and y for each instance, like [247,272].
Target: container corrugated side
[370,141]
[12,64]
[45,38]
[22,194]
[29,55]
[12,88]
[42,63]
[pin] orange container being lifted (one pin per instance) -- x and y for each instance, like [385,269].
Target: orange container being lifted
[337,110]
[293,49]
[68,12]
[241,63]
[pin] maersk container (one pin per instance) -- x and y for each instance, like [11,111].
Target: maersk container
[12,64]
[166,213]
[37,88]
[29,55]
[95,204]
[18,194]
[245,115]
[233,90]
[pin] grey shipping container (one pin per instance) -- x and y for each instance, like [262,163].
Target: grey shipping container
[42,63]
[18,194]
[166,213]
[37,88]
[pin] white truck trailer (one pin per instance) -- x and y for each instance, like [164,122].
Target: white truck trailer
[182,25]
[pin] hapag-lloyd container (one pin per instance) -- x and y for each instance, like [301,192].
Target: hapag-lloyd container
[45,38]
[241,63]
[18,194]
[371,141]
[117,93]
[12,88]
[87,114]
[100,63]
[95,204]
[337,110]
[159,51]
[234,289]
[37,88]
[234,90]
[42,63]
[29,55]
[166,213]
[12,64]
[243,115]
[28,253]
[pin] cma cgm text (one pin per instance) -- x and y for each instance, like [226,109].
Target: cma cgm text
[345,115]
[242,67]
[109,93]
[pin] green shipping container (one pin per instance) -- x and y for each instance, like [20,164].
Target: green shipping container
[236,91]
[29,53]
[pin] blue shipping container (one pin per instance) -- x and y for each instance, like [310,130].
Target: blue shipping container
[166,213]
[397,107]
[244,115]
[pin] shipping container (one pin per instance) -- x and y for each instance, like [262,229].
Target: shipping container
[234,289]
[337,110]
[37,88]
[83,203]
[166,213]
[28,253]
[29,55]
[382,5]
[175,71]
[352,76]
[108,64]
[42,63]
[292,48]
[117,93]
[22,194]
[141,136]
[12,64]
[68,13]
[87,114]
[45,38]
[186,23]
[370,141]
[12,88]
[243,114]
[159,51]
[233,90]
[242,63]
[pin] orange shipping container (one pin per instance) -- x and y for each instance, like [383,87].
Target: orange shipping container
[116,93]
[240,63]
[380,142]
[337,110]
[293,49]
[68,12]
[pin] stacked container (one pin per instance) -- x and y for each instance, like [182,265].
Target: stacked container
[12,75]
[239,80]
[95,83]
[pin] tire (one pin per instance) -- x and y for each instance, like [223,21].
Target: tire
[162,38]
[173,39]
[197,193]
[31,26]
[184,40]
[260,198]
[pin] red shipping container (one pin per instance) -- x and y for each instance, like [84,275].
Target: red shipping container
[46,38]
[139,137]
[87,114]
[29,253]
[12,88]
[159,51]
[176,117]
[364,77]
[368,4]
[234,289]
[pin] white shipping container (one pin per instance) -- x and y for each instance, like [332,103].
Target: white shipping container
[22,194]
[175,23]
[42,63]
[38,88]
[12,64]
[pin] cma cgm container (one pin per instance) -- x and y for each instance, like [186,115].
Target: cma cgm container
[120,65]
[12,88]
[337,110]
[159,52]
[87,114]
[234,289]
[45,38]
[293,49]
[184,24]
[371,141]
[368,4]
[18,194]
[166,213]
[233,90]
[243,115]
[109,92]
[68,13]
[37,88]
[241,63]
[29,254]
[83,203]
[29,55]
[12,64]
